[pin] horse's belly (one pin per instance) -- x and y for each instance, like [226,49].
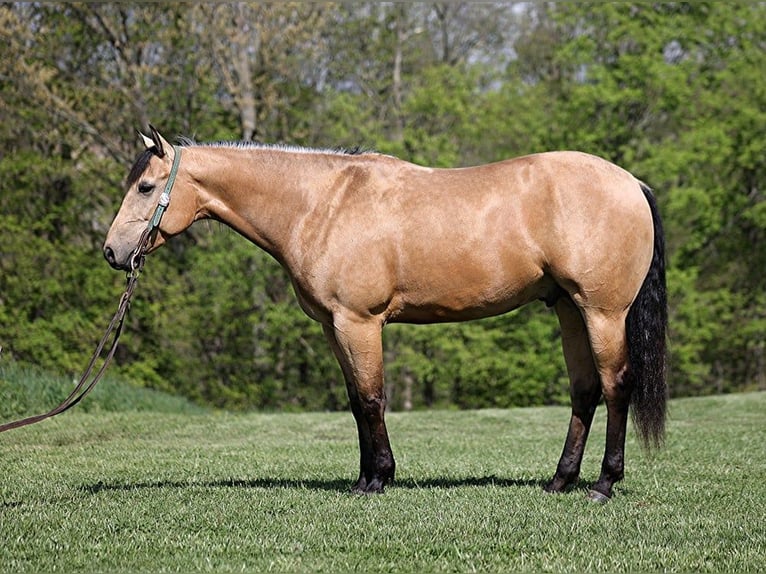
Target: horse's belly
[462,295]
[436,313]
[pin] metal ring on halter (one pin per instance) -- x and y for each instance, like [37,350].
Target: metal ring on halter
[135,263]
[137,257]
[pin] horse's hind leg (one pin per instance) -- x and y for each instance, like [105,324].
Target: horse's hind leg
[358,348]
[609,344]
[585,390]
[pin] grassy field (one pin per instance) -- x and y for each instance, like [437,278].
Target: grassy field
[212,492]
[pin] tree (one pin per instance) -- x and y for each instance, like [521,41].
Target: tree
[268,56]
[672,92]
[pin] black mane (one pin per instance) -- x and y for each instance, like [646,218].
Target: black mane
[139,167]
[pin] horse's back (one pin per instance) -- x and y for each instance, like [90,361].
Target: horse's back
[420,244]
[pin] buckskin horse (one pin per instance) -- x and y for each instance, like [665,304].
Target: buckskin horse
[368,239]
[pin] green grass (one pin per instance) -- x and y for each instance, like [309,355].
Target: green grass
[213,492]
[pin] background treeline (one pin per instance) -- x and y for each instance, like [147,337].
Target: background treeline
[674,92]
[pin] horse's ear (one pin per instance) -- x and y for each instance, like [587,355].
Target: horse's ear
[147,141]
[158,141]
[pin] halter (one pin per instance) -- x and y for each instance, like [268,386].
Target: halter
[137,257]
[165,197]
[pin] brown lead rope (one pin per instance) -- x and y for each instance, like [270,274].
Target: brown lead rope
[83,387]
[137,260]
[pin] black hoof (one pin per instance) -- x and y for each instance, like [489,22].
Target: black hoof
[551,489]
[367,491]
[363,486]
[598,497]
[558,484]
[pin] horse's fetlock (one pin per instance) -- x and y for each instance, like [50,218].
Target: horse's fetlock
[385,466]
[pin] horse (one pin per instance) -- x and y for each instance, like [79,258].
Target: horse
[368,239]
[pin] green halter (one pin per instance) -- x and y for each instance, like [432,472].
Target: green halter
[164,201]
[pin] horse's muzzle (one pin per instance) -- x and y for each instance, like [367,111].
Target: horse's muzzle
[111,258]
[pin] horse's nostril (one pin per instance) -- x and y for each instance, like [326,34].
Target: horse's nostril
[109,255]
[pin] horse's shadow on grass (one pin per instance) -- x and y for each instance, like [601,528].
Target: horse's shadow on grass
[330,485]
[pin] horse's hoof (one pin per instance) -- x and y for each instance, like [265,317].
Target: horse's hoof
[596,496]
[372,487]
[559,485]
[550,489]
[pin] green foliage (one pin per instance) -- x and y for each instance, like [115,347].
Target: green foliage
[509,360]
[150,492]
[673,92]
[37,315]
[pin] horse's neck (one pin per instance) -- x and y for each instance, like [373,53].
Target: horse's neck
[261,193]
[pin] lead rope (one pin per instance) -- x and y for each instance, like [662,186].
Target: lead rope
[82,388]
[137,260]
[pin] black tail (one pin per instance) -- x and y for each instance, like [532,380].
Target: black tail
[646,327]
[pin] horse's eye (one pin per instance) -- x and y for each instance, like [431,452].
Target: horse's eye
[145,187]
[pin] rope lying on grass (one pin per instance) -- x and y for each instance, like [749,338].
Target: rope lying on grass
[135,264]
[83,387]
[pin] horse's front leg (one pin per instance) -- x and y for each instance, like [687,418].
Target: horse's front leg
[357,344]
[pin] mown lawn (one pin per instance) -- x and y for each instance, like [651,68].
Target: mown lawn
[152,492]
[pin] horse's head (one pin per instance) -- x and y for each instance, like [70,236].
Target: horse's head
[145,183]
